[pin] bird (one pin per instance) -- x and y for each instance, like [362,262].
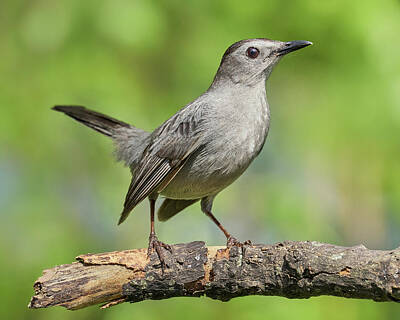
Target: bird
[203,147]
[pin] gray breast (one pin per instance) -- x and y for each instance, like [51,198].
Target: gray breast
[233,140]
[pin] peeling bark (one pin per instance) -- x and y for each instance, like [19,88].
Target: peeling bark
[289,269]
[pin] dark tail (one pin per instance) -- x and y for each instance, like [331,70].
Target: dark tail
[95,120]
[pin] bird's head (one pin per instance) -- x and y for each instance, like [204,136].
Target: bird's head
[252,60]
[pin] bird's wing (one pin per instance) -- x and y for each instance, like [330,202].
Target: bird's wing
[171,146]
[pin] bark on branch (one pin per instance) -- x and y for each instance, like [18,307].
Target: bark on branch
[289,269]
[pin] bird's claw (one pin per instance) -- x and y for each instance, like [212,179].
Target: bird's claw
[248,243]
[155,244]
[233,242]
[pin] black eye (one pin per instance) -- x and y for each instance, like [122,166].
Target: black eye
[252,52]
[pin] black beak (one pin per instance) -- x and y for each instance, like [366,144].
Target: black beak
[292,46]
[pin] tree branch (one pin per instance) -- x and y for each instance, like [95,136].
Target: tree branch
[289,269]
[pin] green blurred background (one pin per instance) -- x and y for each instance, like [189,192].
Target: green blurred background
[330,170]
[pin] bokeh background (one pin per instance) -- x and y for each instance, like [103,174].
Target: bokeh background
[330,170]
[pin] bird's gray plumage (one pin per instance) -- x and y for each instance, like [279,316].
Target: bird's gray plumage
[206,145]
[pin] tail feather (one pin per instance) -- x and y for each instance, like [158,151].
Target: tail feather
[130,142]
[171,207]
[95,120]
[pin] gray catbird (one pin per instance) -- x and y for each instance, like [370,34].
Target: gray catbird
[206,145]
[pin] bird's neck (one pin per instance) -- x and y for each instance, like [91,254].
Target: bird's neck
[226,87]
[227,79]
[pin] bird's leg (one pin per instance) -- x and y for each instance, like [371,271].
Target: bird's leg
[206,205]
[230,241]
[154,243]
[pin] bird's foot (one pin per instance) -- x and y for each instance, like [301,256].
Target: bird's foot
[248,243]
[233,242]
[155,244]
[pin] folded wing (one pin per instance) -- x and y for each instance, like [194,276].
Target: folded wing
[171,145]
